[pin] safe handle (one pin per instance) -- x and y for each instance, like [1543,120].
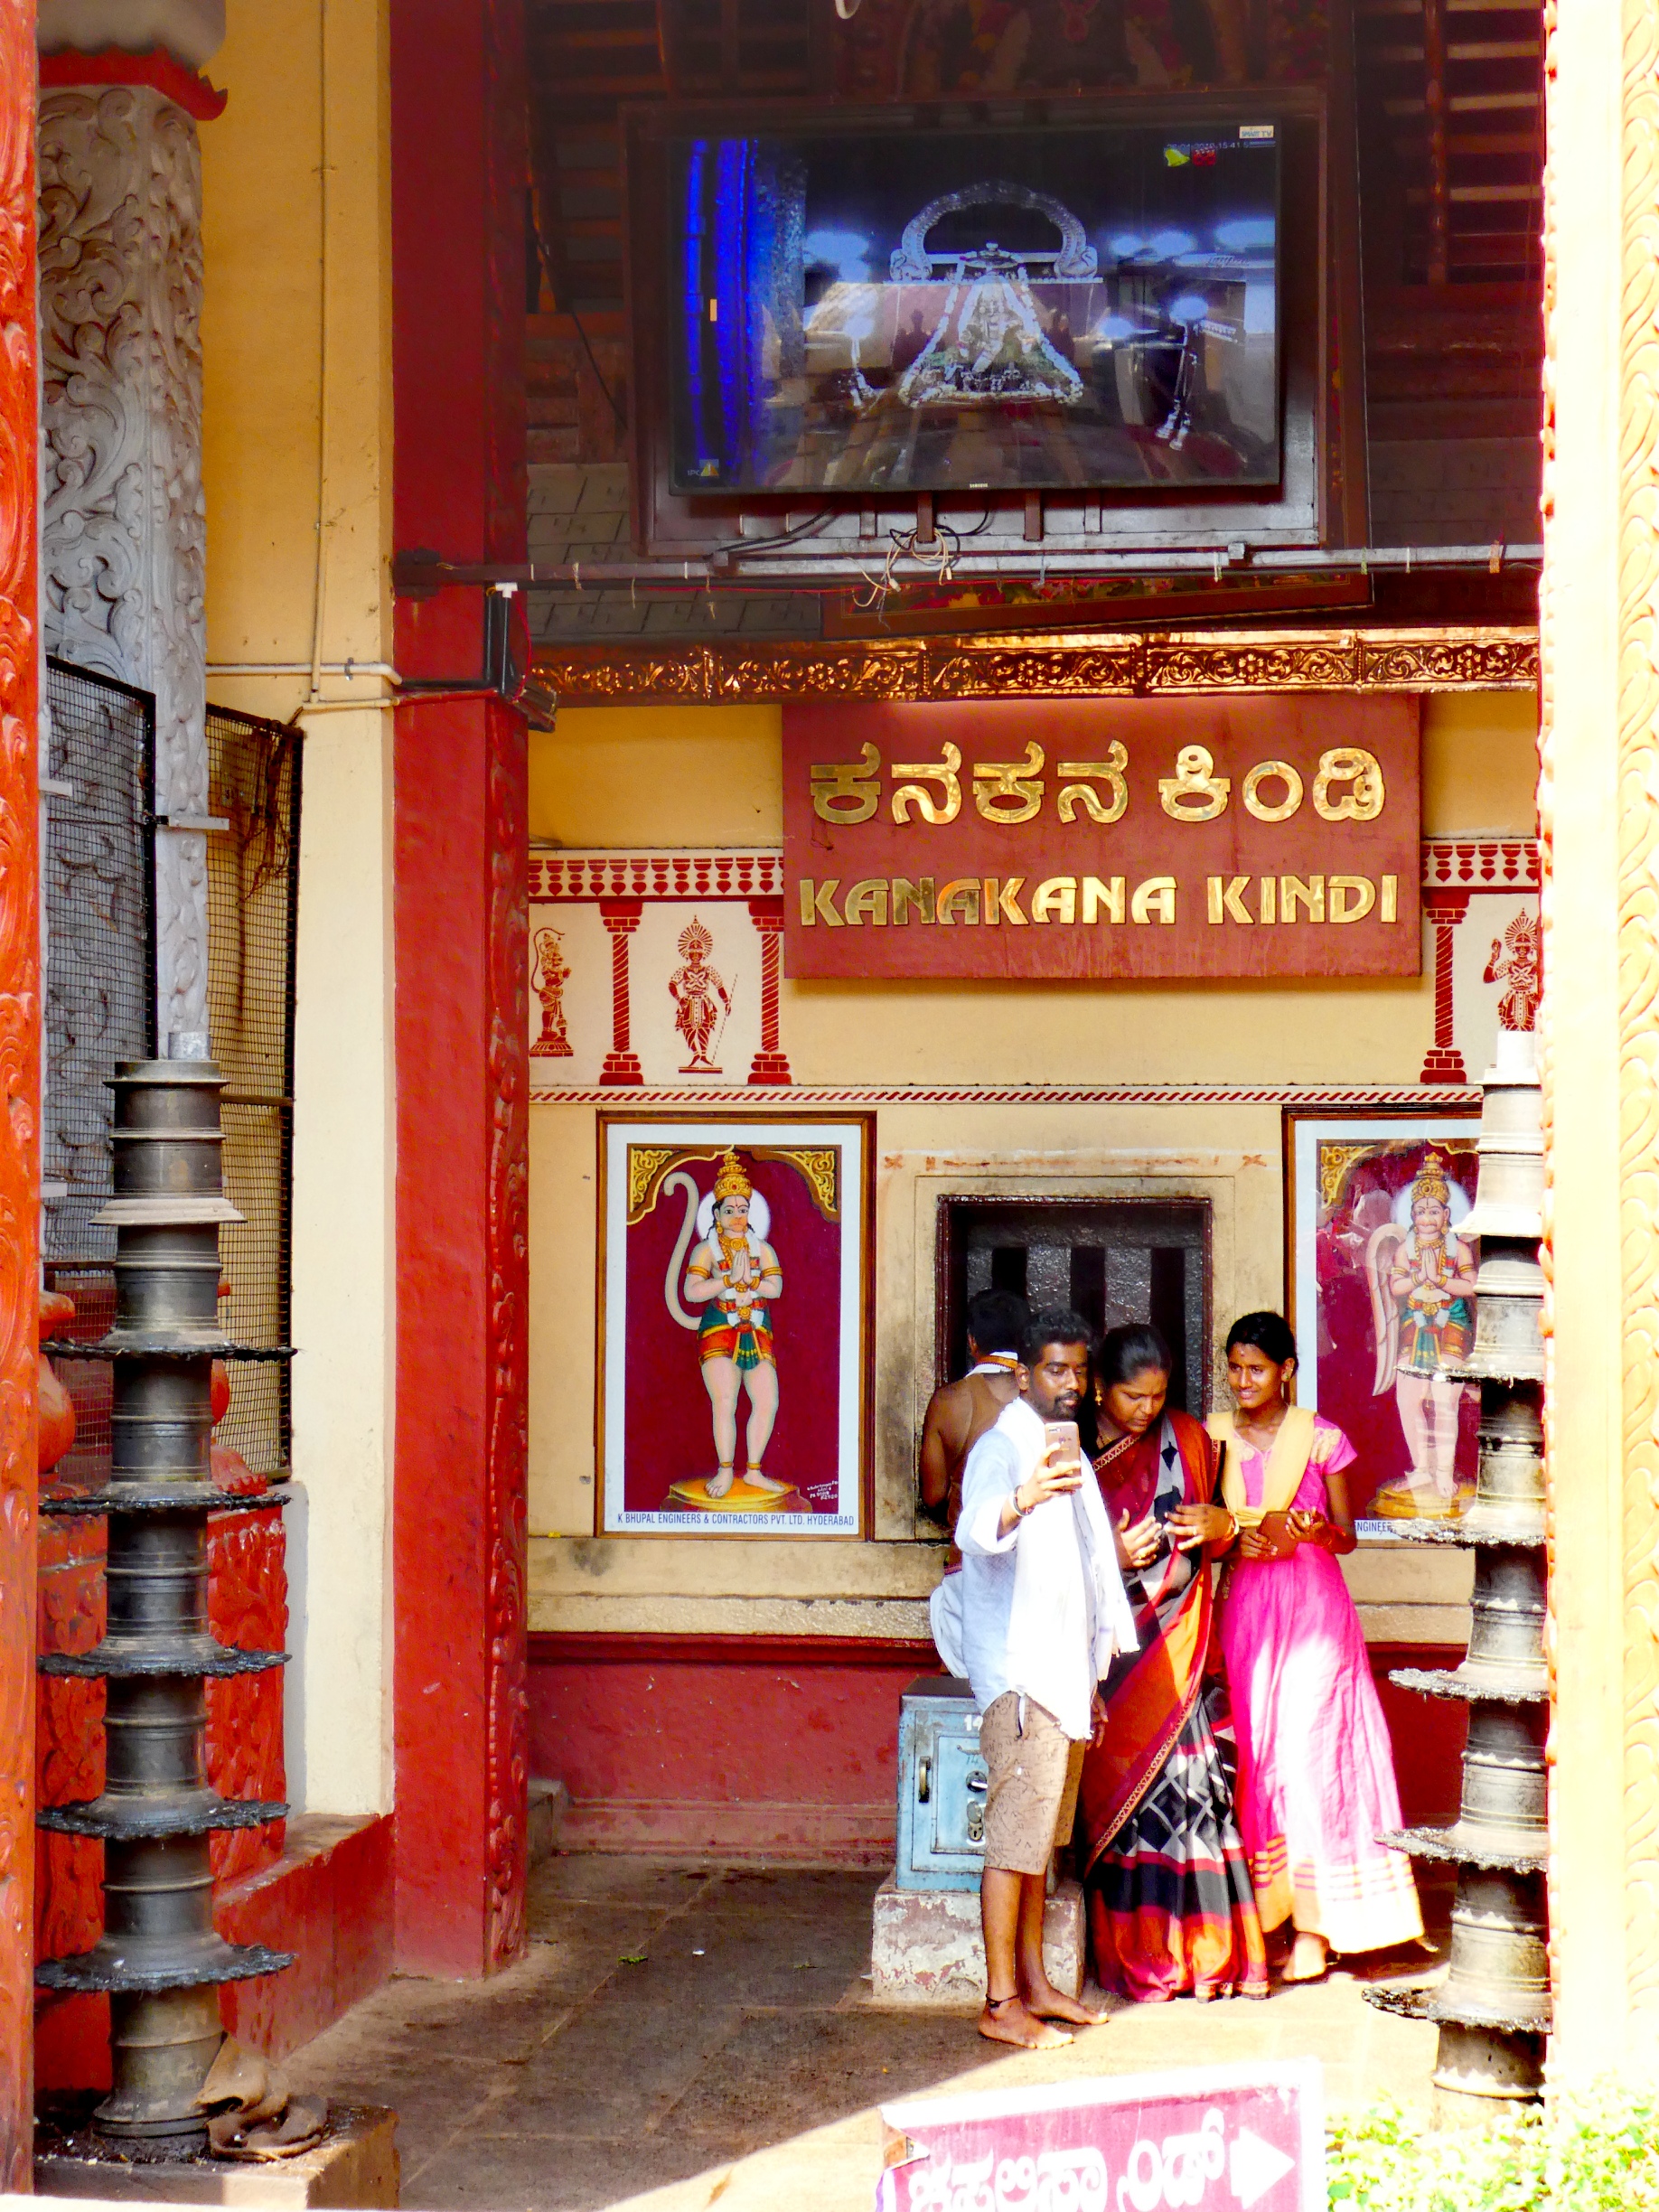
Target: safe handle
[979,1782]
[925,1780]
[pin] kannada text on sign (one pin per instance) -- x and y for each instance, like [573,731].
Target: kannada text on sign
[1102,838]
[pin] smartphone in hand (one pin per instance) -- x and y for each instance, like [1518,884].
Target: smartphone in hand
[1066,1435]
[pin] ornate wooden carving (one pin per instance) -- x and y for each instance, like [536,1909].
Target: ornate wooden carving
[69,1906]
[124,540]
[20,1014]
[1128,665]
[1546,903]
[507,1771]
[1638,974]
[247,1607]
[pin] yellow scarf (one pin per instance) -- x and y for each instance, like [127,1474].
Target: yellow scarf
[1287,1464]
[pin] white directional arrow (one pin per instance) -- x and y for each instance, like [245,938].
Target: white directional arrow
[1254,2165]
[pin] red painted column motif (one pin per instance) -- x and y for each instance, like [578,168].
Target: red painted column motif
[770,1065]
[622,1063]
[1445,910]
[461,912]
[20,1084]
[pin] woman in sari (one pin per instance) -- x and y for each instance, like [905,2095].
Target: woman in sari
[1168,1894]
[1316,1768]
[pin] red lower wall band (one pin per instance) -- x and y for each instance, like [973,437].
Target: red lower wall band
[786,1747]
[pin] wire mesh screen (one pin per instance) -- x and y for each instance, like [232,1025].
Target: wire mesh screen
[98,895]
[253,904]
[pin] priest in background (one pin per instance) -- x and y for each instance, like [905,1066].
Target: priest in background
[960,1414]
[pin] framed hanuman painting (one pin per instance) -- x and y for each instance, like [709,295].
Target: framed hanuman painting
[1382,1286]
[734,1296]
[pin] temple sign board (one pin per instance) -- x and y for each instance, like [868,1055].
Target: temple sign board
[1217,2139]
[1101,837]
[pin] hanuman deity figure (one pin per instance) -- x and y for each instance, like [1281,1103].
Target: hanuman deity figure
[701,1000]
[548,981]
[733,1276]
[1422,1290]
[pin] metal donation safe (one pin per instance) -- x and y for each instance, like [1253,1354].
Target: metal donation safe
[941,1787]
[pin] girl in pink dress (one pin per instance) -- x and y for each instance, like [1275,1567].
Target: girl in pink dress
[1316,1783]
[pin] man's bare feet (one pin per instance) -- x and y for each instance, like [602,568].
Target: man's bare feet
[1308,1960]
[757,1481]
[718,1483]
[1005,2020]
[1051,2004]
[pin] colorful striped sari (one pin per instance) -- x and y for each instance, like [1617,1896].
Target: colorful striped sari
[1169,1900]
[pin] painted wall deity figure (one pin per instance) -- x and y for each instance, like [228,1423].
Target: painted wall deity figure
[732,1281]
[1422,1275]
[1516,965]
[702,1000]
[548,980]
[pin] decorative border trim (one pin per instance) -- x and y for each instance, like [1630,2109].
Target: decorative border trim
[1482,864]
[1129,664]
[1474,863]
[1425,1096]
[71,70]
[656,874]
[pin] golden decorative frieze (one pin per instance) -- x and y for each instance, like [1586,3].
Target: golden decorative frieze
[1129,664]
[1298,665]
[1005,671]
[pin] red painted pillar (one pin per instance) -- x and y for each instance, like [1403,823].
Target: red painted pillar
[771,1063]
[622,1063]
[460,860]
[20,1084]
[1444,1064]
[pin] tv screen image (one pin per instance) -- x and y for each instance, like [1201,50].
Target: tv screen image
[976,310]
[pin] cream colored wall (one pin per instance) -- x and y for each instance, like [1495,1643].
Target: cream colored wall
[709,775]
[261,332]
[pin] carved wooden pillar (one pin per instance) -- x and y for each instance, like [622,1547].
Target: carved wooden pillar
[125,519]
[1599,818]
[622,1063]
[1445,910]
[461,857]
[770,1065]
[20,1012]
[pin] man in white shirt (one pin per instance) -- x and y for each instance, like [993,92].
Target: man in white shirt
[1043,1616]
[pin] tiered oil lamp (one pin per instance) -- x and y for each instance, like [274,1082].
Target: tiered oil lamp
[159,1958]
[1493,2005]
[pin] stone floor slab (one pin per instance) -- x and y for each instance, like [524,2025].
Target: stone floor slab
[747,2077]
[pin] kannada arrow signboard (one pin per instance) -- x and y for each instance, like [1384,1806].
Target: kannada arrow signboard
[1223,2138]
[1100,837]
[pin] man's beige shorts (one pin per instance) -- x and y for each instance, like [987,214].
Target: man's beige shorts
[1031,1796]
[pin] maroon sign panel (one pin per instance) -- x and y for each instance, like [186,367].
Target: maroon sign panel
[1227,2138]
[1094,838]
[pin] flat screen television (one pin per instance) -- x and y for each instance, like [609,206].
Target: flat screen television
[977,309]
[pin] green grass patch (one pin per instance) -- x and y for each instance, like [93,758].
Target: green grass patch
[1586,2151]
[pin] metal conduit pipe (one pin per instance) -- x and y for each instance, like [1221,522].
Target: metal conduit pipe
[414,578]
[158,1958]
[351,670]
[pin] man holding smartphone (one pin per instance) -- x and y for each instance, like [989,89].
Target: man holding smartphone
[1043,1613]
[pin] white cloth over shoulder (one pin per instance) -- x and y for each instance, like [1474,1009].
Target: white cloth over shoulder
[944,1617]
[1043,1611]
